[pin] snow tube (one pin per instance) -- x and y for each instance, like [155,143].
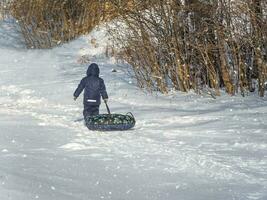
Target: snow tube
[110,122]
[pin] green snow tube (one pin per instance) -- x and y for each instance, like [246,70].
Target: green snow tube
[110,122]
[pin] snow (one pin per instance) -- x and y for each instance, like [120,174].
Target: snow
[184,146]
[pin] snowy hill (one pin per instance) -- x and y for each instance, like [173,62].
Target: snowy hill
[184,146]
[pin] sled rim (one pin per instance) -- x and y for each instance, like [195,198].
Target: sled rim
[110,125]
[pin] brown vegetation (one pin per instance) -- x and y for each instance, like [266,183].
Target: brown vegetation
[194,44]
[185,45]
[45,24]
[4,4]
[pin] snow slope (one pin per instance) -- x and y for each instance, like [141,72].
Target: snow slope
[184,146]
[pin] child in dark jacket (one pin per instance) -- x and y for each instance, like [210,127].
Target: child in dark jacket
[93,87]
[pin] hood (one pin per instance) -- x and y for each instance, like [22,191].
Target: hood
[93,70]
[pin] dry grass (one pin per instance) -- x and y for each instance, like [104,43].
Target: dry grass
[4,9]
[46,24]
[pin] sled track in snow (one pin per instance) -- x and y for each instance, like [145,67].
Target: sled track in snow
[171,156]
[19,101]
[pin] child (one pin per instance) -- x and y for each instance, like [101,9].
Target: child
[93,87]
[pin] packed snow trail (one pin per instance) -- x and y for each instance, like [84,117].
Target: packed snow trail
[184,146]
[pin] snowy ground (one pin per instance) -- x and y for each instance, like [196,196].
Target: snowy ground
[184,147]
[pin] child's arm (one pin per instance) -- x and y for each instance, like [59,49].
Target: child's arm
[103,91]
[79,89]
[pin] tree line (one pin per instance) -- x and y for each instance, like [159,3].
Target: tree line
[171,44]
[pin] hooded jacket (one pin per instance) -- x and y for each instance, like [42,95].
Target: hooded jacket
[93,86]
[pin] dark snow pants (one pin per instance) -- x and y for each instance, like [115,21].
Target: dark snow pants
[90,110]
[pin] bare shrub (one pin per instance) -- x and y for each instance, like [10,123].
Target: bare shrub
[46,24]
[4,8]
[194,44]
